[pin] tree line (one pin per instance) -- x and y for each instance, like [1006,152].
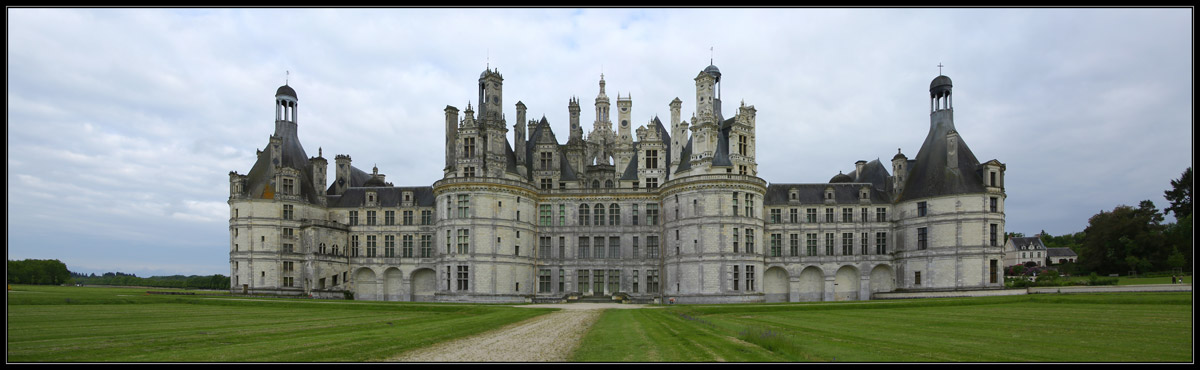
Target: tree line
[1135,238]
[54,272]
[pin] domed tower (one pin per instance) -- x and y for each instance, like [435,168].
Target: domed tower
[941,107]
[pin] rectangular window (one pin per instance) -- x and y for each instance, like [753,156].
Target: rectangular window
[614,215]
[406,246]
[599,247]
[289,186]
[811,244]
[598,215]
[288,211]
[881,214]
[354,245]
[544,247]
[736,282]
[750,205]
[995,234]
[581,281]
[652,183]
[880,243]
[917,278]
[353,218]
[562,280]
[776,245]
[389,217]
[864,241]
[829,215]
[562,247]
[921,209]
[545,161]
[635,215]
[735,240]
[847,215]
[651,251]
[584,242]
[652,214]
[427,217]
[371,246]
[543,280]
[795,216]
[562,215]
[847,244]
[865,215]
[828,244]
[735,203]
[464,205]
[994,203]
[651,159]
[544,215]
[389,246]
[614,281]
[810,215]
[426,246]
[464,276]
[408,218]
[635,248]
[468,147]
[922,239]
[794,245]
[597,281]
[635,281]
[584,214]
[651,281]
[749,278]
[776,216]
[464,241]
[370,217]
[614,247]
[750,241]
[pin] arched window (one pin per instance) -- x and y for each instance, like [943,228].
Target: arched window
[608,183]
[595,184]
[583,214]
[614,214]
[599,216]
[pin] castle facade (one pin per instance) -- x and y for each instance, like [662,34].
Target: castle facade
[670,211]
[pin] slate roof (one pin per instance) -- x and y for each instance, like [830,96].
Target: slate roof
[388,196]
[929,175]
[1027,243]
[874,173]
[292,155]
[843,193]
[1060,252]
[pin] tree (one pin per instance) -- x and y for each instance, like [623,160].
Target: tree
[1111,237]
[1180,195]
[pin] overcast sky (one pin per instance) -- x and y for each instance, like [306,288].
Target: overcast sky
[123,124]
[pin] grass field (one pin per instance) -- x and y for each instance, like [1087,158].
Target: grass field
[73,324]
[1114,327]
[82,324]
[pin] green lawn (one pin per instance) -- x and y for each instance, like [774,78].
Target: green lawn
[73,324]
[1125,327]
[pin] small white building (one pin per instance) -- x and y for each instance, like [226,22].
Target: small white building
[1057,256]
[1018,251]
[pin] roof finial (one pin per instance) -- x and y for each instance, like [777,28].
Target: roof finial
[939,68]
[488,60]
[286,75]
[710,55]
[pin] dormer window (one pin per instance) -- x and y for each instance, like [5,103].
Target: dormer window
[289,186]
[408,197]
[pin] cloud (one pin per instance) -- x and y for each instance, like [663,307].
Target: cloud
[124,123]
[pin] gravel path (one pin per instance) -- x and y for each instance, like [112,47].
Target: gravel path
[546,338]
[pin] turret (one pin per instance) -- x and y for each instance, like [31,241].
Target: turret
[679,130]
[576,131]
[624,111]
[899,172]
[319,168]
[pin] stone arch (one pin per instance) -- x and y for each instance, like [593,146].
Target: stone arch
[423,285]
[812,284]
[883,279]
[366,287]
[393,285]
[846,283]
[775,284]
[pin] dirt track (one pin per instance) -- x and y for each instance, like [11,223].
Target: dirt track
[547,338]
